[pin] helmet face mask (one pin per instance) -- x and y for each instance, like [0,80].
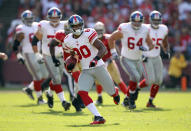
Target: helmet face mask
[27,18]
[136,20]
[76,24]
[100,29]
[155,19]
[54,16]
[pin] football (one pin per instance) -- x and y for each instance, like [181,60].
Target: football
[70,62]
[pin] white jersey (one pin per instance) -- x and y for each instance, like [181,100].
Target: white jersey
[83,47]
[48,32]
[157,35]
[29,32]
[132,40]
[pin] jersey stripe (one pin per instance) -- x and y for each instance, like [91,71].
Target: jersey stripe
[92,37]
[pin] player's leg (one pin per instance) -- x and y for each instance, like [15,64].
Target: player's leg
[99,90]
[56,81]
[103,77]
[34,68]
[86,81]
[29,89]
[114,72]
[131,68]
[158,66]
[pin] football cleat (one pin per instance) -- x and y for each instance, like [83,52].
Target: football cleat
[136,93]
[40,101]
[150,104]
[76,105]
[50,100]
[125,102]
[116,98]
[98,120]
[28,91]
[132,101]
[99,100]
[66,105]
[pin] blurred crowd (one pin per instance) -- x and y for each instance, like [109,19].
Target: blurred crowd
[176,15]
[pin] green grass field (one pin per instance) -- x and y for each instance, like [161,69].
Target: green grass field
[19,113]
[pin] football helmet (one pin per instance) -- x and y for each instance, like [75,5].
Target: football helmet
[27,17]
[155,19]
[136,19]
[54,15]
[100,29]
[76,24]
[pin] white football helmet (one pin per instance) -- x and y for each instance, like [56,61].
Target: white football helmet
[100,28]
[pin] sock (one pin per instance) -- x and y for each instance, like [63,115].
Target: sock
[153,91]
[37,85]
[31,85]
[128,91]
[132,86]
[85,97]
[57,88]
[38,93]
[143,84]
[123,87]
[50,92]
[92,108]
[76,75]
[51,86]
[61,96]
[99,89]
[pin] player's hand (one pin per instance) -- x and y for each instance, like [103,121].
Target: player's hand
[142,48]
[39,58]
[94,62]
[3,56]
[144,58]
[20,58]
[114,54]
[55,61]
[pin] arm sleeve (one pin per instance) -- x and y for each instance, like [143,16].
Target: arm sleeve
[92,35]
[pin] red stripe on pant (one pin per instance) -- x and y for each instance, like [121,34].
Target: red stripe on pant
[99,89]
[85,97]
[153,91]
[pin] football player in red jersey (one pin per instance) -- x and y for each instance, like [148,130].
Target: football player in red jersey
[111,65]
[89,50]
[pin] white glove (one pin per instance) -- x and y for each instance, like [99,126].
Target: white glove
[20,58]
[39,58]
[114,54]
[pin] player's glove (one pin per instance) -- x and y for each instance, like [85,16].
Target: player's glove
[142,48]
[55,61]
[114,54]
[94,62]
[144,58]
[20,58]
[39,58]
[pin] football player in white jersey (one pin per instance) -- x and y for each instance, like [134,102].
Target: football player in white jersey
[152,62]
[84,43]
[134,35]
[24,34]
[45,33]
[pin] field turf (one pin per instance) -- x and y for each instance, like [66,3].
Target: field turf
[19,113]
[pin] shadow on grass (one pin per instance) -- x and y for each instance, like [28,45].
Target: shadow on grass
[53,112]
[105,105]
[88,125]
[28,105]
[145,110]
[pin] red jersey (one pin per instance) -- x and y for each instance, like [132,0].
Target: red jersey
[106,43]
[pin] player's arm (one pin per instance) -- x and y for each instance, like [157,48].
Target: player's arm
[37,37]
[18,38]
[101,52]
[165,45]
[54,43]
[149,42]
[117,35]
